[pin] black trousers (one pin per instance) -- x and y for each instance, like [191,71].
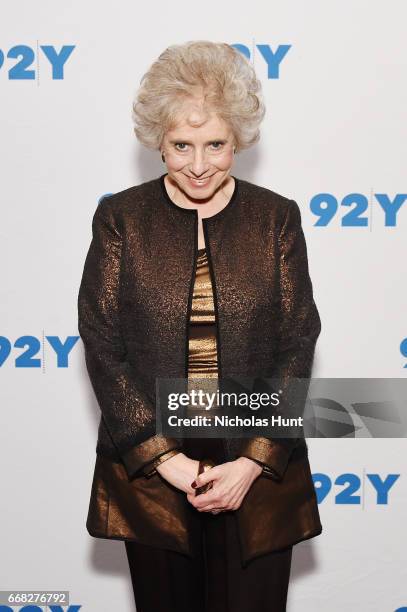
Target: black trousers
[214,581]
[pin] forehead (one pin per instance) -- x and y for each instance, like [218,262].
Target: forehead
[199,125]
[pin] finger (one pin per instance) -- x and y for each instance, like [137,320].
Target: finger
[198,503]
[205,477]
[223,505]
[211,507]
[204,489]
[195,501]
[212,496]
[212,503]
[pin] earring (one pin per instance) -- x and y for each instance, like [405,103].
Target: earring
[163,157]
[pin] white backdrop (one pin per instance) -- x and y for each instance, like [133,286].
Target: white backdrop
[335,124]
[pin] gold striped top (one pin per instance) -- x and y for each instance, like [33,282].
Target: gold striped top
[202,357]
[202,343]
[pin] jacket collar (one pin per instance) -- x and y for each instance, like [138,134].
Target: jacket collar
[192,211]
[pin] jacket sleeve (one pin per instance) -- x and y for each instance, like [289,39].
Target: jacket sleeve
[300,326]
[151,468]
[128,413]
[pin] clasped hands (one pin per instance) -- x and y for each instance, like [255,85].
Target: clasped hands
[231,481]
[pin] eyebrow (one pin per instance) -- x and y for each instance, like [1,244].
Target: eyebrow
[175,140]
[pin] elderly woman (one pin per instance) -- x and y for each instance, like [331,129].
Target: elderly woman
[198,274]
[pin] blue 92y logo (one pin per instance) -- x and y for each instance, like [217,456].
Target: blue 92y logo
[403,351]
[21,70]
[28,58]
[348,487]
[33,347]
[272,58]
[354,205]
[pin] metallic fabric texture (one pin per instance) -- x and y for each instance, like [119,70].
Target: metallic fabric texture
[134,308]
[202,351]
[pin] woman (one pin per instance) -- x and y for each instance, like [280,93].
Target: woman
[198,274]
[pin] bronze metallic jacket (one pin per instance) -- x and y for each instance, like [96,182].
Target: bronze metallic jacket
[134,305]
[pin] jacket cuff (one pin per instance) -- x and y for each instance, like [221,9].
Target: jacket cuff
[273,456]
[146,452]
[151,468]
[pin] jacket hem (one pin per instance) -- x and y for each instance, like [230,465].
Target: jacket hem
[306,536]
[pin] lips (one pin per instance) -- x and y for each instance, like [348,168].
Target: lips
[199,182]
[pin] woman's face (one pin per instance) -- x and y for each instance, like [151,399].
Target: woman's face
[199,158]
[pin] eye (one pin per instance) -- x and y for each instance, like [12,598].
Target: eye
[180,144]
[217,142]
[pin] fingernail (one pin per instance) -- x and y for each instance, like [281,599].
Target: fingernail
[194,484]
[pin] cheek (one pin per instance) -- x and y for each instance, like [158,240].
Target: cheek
[225,161]
[174,164]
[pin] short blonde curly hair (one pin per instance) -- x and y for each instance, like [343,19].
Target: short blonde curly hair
[216,72]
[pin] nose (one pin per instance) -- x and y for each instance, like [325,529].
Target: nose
[199,165]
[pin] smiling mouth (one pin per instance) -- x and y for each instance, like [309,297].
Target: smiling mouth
[203,181]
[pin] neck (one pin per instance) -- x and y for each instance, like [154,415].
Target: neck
[205,206]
